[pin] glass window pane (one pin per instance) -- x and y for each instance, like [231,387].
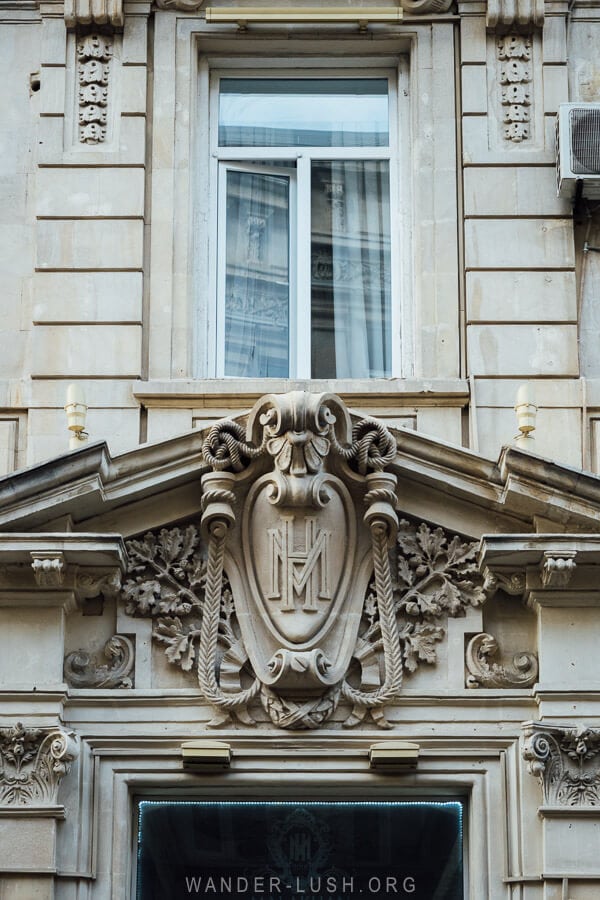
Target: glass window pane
[303,112]
[350,269]
[257,275]
[289,850]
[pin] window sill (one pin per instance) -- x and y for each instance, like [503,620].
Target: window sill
[240,393]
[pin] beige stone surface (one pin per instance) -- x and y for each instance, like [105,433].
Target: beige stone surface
[445,424]
[513,191]
[522,350]
[519,243]
[557,435]
[521,296]
[133,88]
[49,437]
[52,90]
[88,192]
[89,244]
[27,845]
[556,87]
[164,423]
[38,634]
[8,444]
[27,888]
[86,350]
[87,297]
[474,88]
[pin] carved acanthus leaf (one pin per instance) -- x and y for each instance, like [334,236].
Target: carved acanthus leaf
[181,5]
[32,763]
[85,671]
[105,583]
[485,674]
[567,762]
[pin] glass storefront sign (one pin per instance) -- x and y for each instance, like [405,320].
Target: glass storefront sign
[288,850]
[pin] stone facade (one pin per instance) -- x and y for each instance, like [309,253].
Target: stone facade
[297,568]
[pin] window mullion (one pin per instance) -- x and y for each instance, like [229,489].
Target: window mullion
[302,337]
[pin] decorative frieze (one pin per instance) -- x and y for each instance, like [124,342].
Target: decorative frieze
[301,590]
[181,5]
[82,670]
[567,762]
[32,764]
[514,55]
[486,673]
[94,53]
[105,583]
[557,569]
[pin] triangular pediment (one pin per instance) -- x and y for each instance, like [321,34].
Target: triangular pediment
[90,490]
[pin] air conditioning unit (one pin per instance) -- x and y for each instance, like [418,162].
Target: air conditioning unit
[578,150]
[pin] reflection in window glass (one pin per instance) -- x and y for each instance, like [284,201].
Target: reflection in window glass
[350,269]
[303,112]
[257,275]
[311,850]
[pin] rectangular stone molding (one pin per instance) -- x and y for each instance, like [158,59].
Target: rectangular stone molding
[87,350]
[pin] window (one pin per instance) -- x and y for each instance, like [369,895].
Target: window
[305,268]
[290,849]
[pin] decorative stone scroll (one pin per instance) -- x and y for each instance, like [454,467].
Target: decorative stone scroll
[514,55]
[302,590]
[567,762]
[94,53]
[425,7]
[32,764]
[99,12]
[485,674]
[513,583]
[84,671]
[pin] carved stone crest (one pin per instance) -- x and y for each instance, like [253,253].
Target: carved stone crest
[300,589]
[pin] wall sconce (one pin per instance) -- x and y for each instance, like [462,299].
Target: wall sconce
[76,410]
[393,755]
[284,15]
[526,410]
[204,756]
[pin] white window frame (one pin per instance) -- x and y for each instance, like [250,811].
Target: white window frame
[209,335]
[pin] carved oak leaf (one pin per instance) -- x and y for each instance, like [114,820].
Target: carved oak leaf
[179,639]
[141,597]
[419,643]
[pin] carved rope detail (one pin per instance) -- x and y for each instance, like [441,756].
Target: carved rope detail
[32,764]
[85,671]
[94,53]
[483,674]
[566,760]
[290,658]
[514,54]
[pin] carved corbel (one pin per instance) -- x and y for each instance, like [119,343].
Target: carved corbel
[512,583]
[557,569]
[89,585]
[99,12]
[32,763]
[425,7]
[84,671]
[521,16]
[48,569]
[181,5]
[567,762]
[485,674]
